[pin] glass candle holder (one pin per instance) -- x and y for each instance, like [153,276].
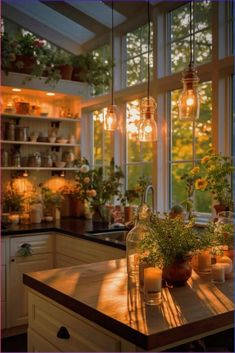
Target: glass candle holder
[217,273]
[152,285]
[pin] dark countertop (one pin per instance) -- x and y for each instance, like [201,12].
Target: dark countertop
[80,228]
[200,308]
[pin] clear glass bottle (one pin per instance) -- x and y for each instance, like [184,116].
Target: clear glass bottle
[134,253]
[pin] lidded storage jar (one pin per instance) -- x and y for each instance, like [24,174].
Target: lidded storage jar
[134,252]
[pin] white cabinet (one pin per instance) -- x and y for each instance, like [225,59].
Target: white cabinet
[56,326]
[42,258]
[80,251]
[4,260]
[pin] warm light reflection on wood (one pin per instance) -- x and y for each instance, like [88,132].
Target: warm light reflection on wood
[104,287]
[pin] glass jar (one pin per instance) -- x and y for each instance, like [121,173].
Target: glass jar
[10,131]
[134,253]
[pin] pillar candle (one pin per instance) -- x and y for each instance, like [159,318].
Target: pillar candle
[152,285]
[218,273]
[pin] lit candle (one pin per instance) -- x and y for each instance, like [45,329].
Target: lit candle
[228,262]
[152,285]
[218,273]
[204,261]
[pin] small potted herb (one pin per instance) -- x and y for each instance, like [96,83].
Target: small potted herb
[171,245]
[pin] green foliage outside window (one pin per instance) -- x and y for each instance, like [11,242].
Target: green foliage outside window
[180,29]
[137,55]
[189,143]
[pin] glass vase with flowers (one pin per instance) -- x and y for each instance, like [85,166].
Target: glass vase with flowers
[98,187]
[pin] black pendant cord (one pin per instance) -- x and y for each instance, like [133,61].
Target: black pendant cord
[112,93]
[191,35]
[148,75]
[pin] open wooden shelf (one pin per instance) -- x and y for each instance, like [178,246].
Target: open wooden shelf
[55,144]
[40,117]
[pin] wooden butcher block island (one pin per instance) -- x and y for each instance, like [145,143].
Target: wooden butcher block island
[92,308]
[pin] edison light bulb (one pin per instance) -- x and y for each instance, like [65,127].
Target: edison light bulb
[148,126]
[189,100]
[110,120]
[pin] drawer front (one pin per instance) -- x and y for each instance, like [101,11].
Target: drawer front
[46,318]
[40,243]
[86,251]
[36,343]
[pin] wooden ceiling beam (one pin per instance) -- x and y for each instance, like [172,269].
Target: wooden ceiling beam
[77,16]
[127,9]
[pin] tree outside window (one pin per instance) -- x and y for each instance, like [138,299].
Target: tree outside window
[136,62]
[179,35]
[139,156]
[189,143]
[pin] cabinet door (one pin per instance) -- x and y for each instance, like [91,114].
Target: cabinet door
[66,261]
[86,251]
[4,260]
[17,293]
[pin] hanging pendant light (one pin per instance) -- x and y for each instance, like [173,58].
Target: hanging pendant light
[148,125]
[189,100]
[110,119]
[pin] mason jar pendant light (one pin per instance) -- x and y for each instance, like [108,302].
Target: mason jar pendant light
[147,125]
[189,100]
[110,119]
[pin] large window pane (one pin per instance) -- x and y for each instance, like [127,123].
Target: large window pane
[137,55]
[189,143]
[180,34]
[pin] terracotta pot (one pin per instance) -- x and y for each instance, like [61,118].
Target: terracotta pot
[78,75]
[22,107]
[178,272]
[26,62]
[65,71]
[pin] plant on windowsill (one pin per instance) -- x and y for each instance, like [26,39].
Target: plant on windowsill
[127,201]
[171,245]
[98,188]
[219,172]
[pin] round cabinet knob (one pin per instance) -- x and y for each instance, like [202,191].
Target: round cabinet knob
[63,333]
[12,260]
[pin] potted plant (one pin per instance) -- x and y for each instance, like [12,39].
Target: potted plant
[51,203]
[62,64]
[191,178]
[91,69]
[219,172]
[13,202]
[127,200]
[171,245]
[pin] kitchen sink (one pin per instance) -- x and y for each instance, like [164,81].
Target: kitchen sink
[118,236]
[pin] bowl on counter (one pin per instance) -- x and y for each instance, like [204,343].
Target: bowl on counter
[60,164]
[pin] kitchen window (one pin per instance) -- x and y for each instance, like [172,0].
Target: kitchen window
[139,156]
[189,143]
[136,61]
[179,35]
[103,141]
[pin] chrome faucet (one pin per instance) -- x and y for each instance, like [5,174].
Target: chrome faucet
[148,188]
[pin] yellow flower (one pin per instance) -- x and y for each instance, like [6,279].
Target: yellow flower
[201,184]
[205,159]
[195,170]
